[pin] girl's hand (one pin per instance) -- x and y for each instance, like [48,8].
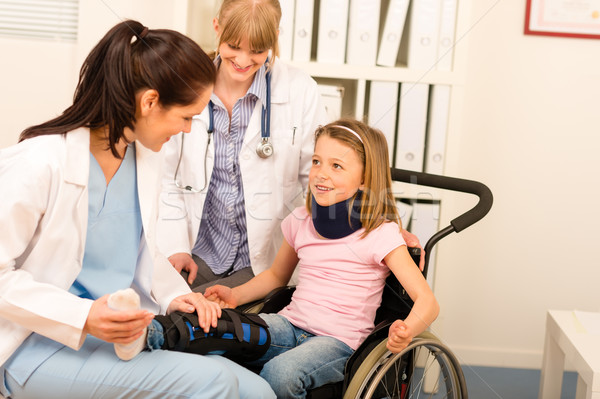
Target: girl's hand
[221,295]
[208,312]
[115,326]
[399,336]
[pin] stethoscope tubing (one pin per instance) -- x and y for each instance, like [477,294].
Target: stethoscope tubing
[264,150]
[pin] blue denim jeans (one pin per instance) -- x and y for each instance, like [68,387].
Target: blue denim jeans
[155,337]
[298,360]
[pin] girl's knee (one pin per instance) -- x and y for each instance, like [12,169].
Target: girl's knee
[285,379]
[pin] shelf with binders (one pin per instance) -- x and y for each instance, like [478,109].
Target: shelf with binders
[361,72]
[397,40]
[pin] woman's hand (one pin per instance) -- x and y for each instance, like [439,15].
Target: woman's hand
[116,326]
[208,312]
[221,295]
[412,241]
[399,336]
[183,261]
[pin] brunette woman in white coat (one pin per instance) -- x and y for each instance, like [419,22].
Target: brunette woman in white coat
[79,206]
[223,197]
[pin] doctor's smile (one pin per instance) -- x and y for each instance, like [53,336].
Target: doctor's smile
[239,68]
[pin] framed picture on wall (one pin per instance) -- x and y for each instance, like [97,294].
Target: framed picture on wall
[566,18]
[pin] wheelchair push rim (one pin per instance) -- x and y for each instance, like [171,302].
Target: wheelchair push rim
[388,375]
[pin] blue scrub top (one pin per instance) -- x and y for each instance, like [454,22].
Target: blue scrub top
[112,246]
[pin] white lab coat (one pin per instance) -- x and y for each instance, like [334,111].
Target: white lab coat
[273,187]
[43,219]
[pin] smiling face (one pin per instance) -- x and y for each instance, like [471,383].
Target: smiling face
[336,172]
[156,124]
[239,62]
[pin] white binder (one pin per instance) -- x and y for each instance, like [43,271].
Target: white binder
[446,38]
[303,27]
[423,34]
[383,106]
[363,31]
[332,96]
[286,29]
[333,30]
[412,122]
[391,34]
[437,129]
[405,212]
[424,224]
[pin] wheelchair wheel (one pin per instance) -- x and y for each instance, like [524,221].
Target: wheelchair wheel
[424,369]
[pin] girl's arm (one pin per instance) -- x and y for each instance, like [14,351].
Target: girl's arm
[278,275]
[425,308]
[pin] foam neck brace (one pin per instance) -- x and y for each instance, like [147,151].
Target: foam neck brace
[332,221]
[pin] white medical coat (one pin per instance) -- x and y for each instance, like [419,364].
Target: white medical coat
[273,186]
[43,225]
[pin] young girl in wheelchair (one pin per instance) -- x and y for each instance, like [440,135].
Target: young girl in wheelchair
[344,243]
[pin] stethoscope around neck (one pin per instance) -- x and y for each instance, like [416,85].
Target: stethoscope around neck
[263,150]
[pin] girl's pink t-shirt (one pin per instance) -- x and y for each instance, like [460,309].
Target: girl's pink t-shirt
[340,281]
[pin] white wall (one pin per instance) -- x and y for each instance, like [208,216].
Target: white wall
[201,30]
[38,78]
[36,83]
[530,130]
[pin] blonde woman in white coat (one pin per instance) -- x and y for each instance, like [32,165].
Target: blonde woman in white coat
[232,228]
[78,211]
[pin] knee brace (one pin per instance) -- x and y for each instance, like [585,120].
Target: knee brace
[238,336]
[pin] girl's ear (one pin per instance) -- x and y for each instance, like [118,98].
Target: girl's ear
[362,183]
[148,101]
[216,25]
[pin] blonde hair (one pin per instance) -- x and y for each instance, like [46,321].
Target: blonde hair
[257,20]
[378,203]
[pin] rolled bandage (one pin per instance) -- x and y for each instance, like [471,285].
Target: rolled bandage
[127,299]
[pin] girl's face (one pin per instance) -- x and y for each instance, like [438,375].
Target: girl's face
[336,172]
[155,124]
[239,62]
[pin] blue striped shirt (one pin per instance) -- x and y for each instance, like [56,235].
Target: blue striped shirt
[223,237]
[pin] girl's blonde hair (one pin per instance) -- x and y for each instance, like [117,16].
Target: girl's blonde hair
[378,203]
[257,20]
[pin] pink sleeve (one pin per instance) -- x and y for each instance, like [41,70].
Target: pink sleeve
[291,224]
[386,239]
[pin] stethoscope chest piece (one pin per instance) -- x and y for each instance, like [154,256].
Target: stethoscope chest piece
[265,148]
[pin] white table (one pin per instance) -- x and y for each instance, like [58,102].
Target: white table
[566,339]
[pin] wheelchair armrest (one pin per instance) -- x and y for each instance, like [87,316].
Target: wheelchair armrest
[272,303]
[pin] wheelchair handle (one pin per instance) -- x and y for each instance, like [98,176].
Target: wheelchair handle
[468,218]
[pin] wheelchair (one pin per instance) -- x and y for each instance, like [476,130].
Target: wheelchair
[426,368]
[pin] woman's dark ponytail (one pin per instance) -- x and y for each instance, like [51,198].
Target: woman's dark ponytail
[129,58]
